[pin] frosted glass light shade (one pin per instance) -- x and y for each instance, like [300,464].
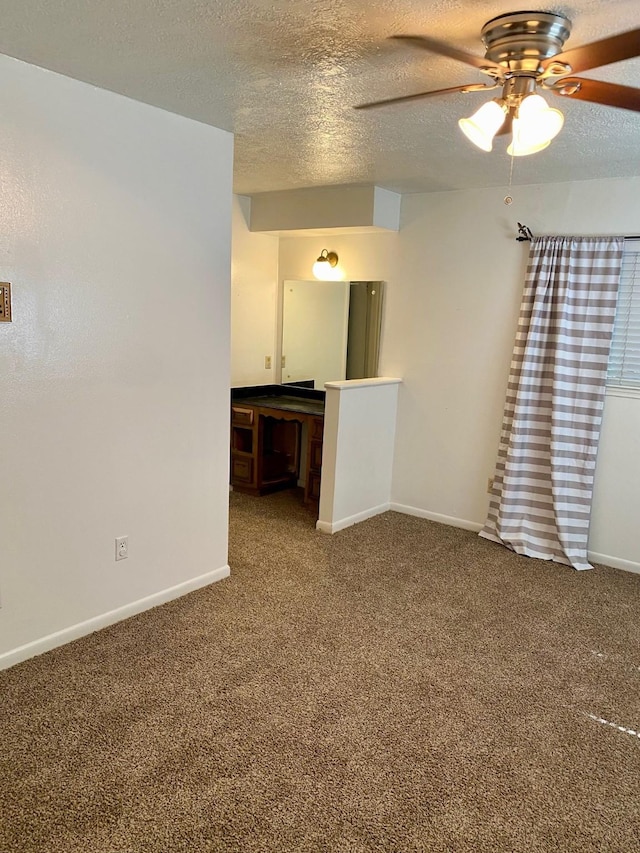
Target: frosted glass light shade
[520,146]
[535,126]
[483,125]
[325,272]
[326,267]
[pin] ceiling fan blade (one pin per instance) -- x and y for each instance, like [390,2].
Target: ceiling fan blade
[479,62]
[609,94]
[470,87]
[604,52]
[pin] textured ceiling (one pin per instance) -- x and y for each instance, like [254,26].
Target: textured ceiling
[284,75]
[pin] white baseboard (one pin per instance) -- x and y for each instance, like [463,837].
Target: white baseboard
[614,562]
[602,559]
[334,527]
[74,632]
[436,516]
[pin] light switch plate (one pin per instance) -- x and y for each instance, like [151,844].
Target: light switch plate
[5,302]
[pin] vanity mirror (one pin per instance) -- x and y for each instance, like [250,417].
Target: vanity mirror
[330,330]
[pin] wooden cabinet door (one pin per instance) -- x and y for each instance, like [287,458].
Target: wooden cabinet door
[244,447]
[315,430]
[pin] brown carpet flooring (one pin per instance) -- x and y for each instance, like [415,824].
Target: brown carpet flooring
[401,686]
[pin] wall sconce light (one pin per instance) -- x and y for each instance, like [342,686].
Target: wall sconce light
[326,267]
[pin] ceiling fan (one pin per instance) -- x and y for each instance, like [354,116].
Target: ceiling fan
[523,55]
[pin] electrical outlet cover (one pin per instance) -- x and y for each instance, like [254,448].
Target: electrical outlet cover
[122,547]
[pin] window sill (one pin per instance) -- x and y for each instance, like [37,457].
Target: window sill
[615,391]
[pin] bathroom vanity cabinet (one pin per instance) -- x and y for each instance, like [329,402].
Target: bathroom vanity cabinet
[276,440]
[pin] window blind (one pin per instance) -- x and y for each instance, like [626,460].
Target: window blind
[624,361]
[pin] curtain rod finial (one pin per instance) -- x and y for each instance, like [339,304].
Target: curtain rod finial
[524,233]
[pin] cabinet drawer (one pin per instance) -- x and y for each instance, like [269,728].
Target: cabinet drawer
[241,469]
[317,428]
[242,416]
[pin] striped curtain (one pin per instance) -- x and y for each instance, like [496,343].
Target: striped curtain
[543,482]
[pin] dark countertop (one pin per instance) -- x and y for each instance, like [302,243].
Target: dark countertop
[288,390]
[285,403]
[287,398]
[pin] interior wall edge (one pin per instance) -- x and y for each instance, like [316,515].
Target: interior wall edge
[349,521]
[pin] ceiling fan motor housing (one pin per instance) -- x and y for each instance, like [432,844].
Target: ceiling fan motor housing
[522,40]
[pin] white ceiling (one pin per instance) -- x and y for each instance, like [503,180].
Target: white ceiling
[285,74]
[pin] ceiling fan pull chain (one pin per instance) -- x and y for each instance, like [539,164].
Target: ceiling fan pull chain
[508,199]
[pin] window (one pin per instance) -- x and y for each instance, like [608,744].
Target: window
[624,361]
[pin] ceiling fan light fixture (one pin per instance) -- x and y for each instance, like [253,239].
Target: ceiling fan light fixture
[326,266]
[483,125]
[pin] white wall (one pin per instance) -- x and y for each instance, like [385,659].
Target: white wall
[455,275]
[616,494]
[114,374]
[254,300]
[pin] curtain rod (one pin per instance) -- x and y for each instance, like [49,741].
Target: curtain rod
[524,233]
